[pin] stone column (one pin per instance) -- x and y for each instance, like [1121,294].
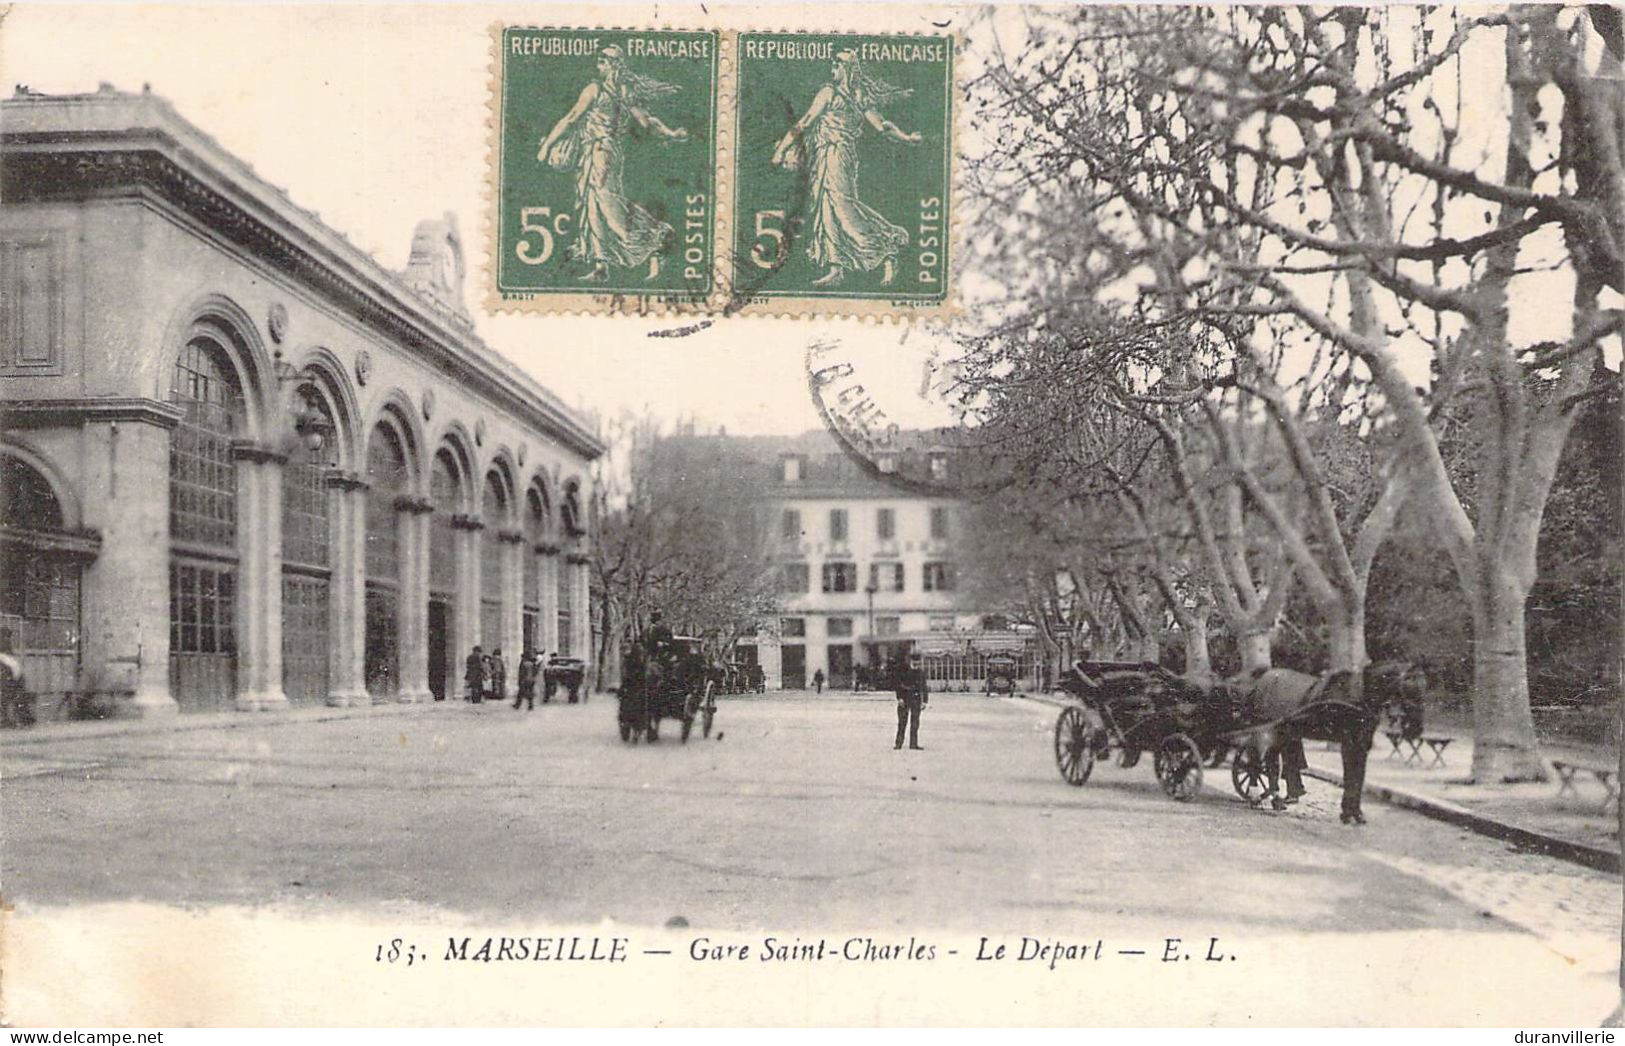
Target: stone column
[580,612]
[549,580]
[414,639]
[347,592]
[466,533]
[259,578]
[125,601]
[513,610]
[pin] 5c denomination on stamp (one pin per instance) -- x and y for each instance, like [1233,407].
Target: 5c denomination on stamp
[843,152]
[605,178]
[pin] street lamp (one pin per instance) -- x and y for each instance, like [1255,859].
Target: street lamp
[308,421]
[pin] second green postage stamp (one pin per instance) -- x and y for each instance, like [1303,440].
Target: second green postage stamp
[843,162]
[605,168]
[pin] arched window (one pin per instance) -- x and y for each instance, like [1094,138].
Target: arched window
[203,527]
[202,475]
[387,480]
[494,509]
[306,537]
[39,582]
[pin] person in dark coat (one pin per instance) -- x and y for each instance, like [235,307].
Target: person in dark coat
[912,695]
[474,675]
[818,681]
[659,639]
[529,666]
[499,675]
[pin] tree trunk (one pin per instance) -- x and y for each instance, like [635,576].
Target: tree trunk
[1504,744]
[1255,651]
[1345,647]
[1198,662]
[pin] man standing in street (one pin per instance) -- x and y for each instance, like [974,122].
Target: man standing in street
[474,675]
[911,698]
[529,662]
[499,675]
[818,681]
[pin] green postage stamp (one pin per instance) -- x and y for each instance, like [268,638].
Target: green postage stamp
[842,164]
[606,168]
[721,171]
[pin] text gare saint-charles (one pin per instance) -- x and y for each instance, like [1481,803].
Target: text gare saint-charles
[1025,949]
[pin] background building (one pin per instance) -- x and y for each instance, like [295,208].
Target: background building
[242,464]
[867,567]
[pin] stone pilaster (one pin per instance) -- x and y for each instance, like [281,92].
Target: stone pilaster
[126,590]
[414,606]
[580,613]
[549,580]
[466,533]
[259,578]
[347,599]
[513,611]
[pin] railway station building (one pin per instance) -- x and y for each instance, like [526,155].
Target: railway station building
[243,465]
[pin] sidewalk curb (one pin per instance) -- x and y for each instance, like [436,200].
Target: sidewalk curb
[178,723]
[1441,810]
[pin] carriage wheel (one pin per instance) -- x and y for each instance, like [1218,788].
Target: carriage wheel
[1074,747]
[706,719]
[1247,775]
[1179,767]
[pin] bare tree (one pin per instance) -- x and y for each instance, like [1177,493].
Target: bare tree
[1309,183]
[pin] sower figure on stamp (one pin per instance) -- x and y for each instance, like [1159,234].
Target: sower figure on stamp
[591,138]
[843,232]
[912,694]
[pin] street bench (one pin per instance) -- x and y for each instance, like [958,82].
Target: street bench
[1607,776]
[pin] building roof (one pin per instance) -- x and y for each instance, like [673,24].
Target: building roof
[56,146]
[828,470]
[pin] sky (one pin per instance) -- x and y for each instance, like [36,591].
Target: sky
[374,116]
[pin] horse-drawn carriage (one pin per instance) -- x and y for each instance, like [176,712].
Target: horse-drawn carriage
[1001,674]
[563,673]
[674,683]
[1129,708]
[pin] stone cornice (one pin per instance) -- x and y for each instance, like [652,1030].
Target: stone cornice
[511,537]
[77,146]
[547,549]
[32,413]
[345,481]
[414,504]
[577,559]
[78,544]
[463,521]
[257,453]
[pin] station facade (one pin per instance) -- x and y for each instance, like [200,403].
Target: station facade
[242,464]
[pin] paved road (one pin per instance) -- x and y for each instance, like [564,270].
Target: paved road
[799,817]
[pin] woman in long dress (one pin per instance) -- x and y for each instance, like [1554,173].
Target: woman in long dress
[845,233]
[591,139]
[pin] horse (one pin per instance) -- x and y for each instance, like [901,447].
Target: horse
[1303,707]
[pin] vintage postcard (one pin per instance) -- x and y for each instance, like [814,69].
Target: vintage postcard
[520,516]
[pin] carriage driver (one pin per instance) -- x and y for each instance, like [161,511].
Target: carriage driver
[659,639]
